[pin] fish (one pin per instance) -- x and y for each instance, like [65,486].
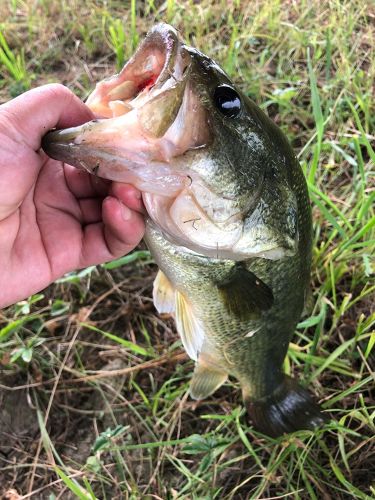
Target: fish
[228,217]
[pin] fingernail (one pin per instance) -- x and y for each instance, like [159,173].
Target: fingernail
[125,212]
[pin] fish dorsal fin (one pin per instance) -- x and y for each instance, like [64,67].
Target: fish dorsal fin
[163,294]
[208,376]
[188,326]
[244,294]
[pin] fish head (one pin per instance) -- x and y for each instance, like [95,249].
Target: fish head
[174,125]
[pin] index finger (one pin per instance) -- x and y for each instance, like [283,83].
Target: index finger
[32,114]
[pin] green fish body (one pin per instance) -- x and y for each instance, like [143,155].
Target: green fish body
[229,217]
[249,340]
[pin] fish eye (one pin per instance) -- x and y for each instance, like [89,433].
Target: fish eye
[227,101]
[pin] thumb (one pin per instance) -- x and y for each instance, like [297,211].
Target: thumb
[32,114]
[23,122]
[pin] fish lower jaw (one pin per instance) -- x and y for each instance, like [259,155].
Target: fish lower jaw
[180,245]
[185,224]
[194,235]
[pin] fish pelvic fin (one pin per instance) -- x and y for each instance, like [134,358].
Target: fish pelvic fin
[288,409]
[188,326]
[207,377]
[163,294]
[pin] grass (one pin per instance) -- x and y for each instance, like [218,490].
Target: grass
[93,382]
[15,66]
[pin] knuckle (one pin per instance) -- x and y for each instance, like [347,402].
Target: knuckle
[58,91]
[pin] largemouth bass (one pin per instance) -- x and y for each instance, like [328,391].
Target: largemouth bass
[229,220]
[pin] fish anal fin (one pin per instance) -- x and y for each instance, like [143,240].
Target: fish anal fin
[244,294]
[188,326]
[207,377]
[163,294]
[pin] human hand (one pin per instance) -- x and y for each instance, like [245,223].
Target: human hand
[53,217]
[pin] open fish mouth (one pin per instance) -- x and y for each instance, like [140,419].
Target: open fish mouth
[143,120]
[149,117]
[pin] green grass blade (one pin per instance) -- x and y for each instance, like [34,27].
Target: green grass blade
[128,259]
[125,343]
[364,138]
[318,117]
[73,486]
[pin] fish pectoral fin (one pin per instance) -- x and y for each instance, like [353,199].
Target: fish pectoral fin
[163,294]
[244,294]
[169,301]
[207,377]
[188,326]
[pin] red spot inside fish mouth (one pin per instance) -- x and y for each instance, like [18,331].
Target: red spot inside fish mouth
[147,84]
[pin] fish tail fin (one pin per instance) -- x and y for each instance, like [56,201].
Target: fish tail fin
[289,408]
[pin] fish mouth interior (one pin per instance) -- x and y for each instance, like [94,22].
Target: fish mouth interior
[151,115]
[158,59]
[147,116]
